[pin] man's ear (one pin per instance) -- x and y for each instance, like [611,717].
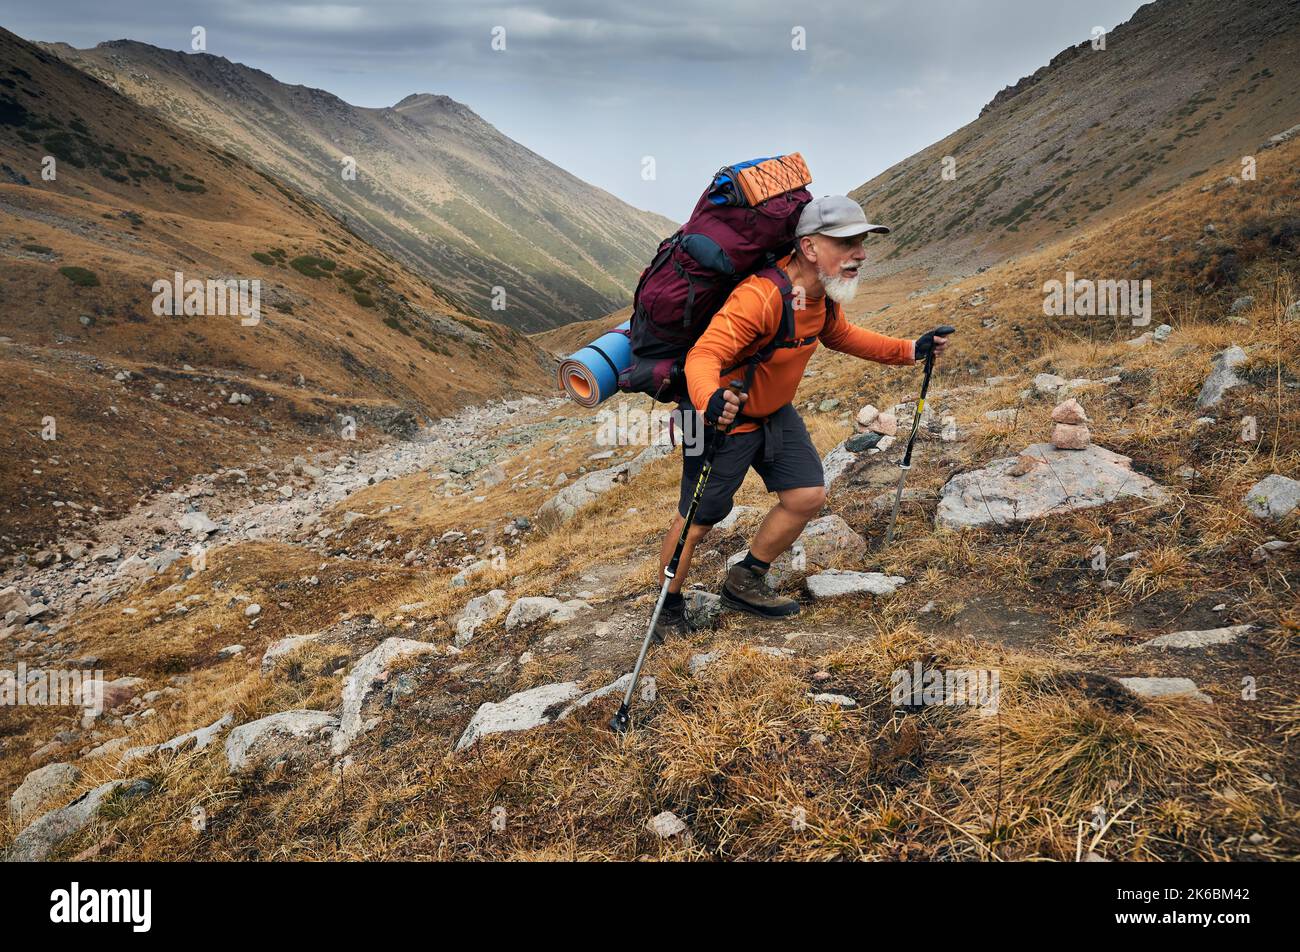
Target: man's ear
[808,250]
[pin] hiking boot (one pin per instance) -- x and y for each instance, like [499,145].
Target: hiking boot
[746,590]
[672,623]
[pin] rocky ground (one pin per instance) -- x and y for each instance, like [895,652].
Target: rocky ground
[283,612]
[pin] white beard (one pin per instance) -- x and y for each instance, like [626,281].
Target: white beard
[839,290]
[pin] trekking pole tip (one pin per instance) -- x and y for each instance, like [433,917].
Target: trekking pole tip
[621,721]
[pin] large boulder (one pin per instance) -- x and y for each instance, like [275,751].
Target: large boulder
[534,608]
[836,582]
[823,542]
[99,696]
[197,523]
[565,505]
[297,737]
[702,609]
[1204,638]
[367,679]
[836,463]
[519,712]
[1041,482]
[194,740]
[728,522]
[1165,687]
[39,840]
[39,787]
[479,611]
[12,601]
[541,705]
[285,646]
[1222,377]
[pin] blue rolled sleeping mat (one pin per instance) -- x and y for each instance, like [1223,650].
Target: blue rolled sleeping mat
[590,375]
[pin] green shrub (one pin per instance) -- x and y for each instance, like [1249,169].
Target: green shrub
[39,249]
[79,276]
[312,266]
[364,299]
[63,147]
[263,257]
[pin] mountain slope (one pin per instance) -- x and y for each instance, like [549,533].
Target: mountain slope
[744,738]
[1182,86]
[765,739]
[140,398]
[435,185]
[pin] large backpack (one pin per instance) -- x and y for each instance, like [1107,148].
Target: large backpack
[742,224]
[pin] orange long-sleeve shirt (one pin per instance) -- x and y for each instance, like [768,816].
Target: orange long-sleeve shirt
[748,319]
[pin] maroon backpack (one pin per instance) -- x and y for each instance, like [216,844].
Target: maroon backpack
[741,225]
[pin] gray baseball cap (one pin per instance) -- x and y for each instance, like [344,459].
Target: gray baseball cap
[837,216]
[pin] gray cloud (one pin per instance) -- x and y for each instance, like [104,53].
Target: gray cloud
[596,85]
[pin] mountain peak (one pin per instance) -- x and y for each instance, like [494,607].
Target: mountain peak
[429,101]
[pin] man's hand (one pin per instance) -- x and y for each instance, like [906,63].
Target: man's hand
[930,341]
[723,406]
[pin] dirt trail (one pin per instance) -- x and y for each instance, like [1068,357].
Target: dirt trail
[266,500]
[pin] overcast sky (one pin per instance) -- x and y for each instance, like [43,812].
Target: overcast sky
[597,85]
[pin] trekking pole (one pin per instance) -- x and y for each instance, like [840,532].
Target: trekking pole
[622,720]
[906,464]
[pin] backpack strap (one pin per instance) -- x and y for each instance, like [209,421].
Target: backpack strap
[832,311]
[784,336]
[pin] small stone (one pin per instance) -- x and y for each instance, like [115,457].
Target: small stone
[666,825]
[1066,436]
[832,583]
[866,415]
[252,610]
[1198,639]
[862,441]
[885,424]
[1070,411]
[1273,497]
[842,700]
[699,662]
[1048,383]
[702,609]
[1266,550]
[1164,687]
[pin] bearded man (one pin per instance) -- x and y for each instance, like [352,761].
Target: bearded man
[770,436]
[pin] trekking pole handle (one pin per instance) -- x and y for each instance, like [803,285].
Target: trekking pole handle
[942,330]
[738,388]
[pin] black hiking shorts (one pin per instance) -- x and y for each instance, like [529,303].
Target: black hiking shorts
[780,451]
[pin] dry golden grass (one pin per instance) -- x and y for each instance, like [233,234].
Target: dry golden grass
[1069,764]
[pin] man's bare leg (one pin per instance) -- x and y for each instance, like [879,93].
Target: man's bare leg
[697,533]
[795,508]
